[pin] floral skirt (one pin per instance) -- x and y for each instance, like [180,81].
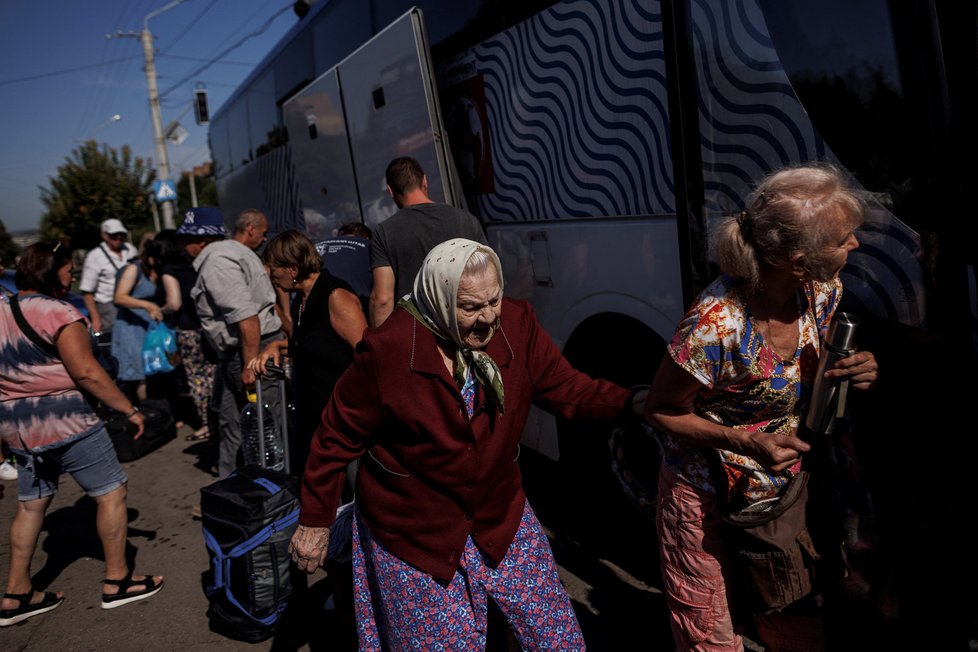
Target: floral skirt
[399,607]
[200,372]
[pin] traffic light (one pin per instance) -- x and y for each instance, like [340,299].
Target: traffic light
[200,106]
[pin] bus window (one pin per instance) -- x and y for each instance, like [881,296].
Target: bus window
[217,135]
[842,63]
[240,146]
[263,114]
[783,83]
[294,66]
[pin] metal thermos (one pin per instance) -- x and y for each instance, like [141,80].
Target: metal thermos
[829,396]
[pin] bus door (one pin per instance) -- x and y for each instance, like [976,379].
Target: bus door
[346,126]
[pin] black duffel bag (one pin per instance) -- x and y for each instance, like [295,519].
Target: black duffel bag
[160,427]
[248,520]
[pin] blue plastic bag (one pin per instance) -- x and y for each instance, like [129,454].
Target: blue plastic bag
[160,349]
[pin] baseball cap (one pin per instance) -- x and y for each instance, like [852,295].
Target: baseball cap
[203,220]
[113,225]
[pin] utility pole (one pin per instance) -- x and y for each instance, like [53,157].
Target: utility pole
[162,159]
[156,215]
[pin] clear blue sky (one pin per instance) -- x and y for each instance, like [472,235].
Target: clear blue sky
[62,80]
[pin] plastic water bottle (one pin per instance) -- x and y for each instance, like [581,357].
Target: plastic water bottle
[274,453]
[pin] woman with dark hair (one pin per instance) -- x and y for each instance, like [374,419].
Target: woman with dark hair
[46,361]
[138,298]
[177,276]
[328,322]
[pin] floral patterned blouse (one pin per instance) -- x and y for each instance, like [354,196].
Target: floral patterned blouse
[745,383]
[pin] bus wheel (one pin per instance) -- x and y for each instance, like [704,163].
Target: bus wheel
[612,471]
[636,453]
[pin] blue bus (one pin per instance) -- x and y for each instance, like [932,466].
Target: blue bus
[599,140]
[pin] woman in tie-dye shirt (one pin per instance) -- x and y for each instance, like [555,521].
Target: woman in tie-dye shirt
[734,387]
[45,360]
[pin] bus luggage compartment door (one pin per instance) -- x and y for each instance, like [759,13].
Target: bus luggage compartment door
[377,104]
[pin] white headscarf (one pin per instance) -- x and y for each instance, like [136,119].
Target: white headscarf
[433,303]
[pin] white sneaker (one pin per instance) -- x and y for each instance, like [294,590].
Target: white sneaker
[8,471]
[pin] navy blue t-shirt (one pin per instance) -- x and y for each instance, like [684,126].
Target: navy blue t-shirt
[347,257]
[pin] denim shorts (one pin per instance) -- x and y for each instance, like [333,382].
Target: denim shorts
[91,461]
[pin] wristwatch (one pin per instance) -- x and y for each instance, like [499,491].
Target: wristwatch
[135,410]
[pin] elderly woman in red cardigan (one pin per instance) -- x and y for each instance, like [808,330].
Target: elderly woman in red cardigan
[434,405]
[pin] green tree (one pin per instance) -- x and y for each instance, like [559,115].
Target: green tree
[93,185]
[8,248]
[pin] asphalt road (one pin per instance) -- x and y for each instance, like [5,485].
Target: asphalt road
[605,550]
[163,539]
[617,603]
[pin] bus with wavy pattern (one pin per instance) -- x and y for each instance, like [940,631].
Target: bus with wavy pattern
[599,140]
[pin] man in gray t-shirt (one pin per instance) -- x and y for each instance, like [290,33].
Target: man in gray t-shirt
[401,242]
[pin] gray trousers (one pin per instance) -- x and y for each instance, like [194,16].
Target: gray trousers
[107,311]
[229,396]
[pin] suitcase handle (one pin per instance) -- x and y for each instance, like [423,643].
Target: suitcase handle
[274,371]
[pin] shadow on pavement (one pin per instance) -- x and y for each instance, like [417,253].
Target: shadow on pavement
[206,453]
[609,548]
[72,535]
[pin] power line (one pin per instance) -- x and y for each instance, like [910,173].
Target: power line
[54,73]
[259,31]
[208,62]
[193,22]
[230,63]
[232,34]
[192,155]
[103,99]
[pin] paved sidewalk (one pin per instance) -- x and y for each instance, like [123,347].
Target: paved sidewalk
[164,488]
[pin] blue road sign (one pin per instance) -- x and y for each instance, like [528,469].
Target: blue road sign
[165,190]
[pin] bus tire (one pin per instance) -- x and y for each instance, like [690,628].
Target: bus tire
[614,471]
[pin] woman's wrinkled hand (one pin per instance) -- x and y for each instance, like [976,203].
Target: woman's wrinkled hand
[775,451]
[308,547]
[860,369]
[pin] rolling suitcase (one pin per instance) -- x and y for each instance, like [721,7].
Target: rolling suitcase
[248,520]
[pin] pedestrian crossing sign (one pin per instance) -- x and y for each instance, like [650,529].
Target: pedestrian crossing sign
[165,190]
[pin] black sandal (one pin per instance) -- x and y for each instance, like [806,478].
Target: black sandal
[200,435]
[124,596]
[26,609]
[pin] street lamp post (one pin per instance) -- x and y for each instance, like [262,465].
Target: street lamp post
[112,119]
